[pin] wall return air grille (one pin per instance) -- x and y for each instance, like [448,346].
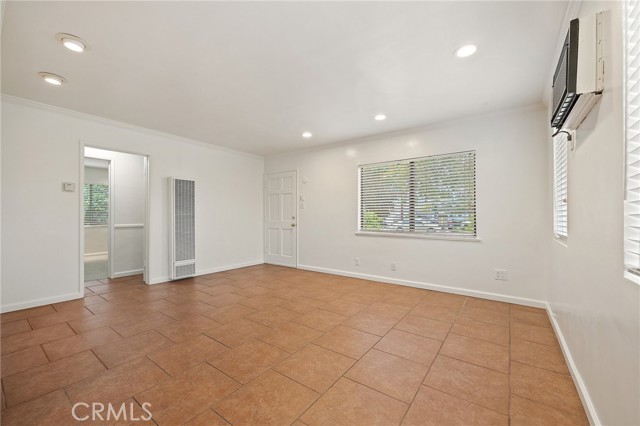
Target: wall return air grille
[183,228]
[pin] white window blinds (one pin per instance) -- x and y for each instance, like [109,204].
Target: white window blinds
[96,204]
[430,195]
[632,134]
[560,227]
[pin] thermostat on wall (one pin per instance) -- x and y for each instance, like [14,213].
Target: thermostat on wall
[68,187]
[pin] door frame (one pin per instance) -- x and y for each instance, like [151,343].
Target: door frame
[264,217]
[147,204]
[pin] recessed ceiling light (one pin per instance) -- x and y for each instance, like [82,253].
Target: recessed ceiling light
[307,135]
[71,42]
[52,79]
[380,117]
[466,50]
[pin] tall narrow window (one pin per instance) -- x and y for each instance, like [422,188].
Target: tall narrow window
[429,195]
[96,204]
[560,226]
[632,136]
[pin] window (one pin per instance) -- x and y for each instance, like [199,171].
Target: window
[560,185]
[632,137]
[429,195]
[96,204]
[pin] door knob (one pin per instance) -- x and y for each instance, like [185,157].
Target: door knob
[293,225]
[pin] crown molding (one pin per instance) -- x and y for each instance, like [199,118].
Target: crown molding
[119,124]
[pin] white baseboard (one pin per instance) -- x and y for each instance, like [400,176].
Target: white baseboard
[428,286]
[127,273]
[40,302]
[590,409]
[164,279]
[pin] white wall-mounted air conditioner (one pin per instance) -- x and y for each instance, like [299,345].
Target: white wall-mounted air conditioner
[578,81]
[182,248]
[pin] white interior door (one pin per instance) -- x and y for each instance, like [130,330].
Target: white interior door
[281,221]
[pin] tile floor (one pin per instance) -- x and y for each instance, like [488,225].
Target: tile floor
[267,345]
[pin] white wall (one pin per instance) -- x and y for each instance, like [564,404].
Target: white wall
[41,149]
[128,214]
[512,207]
[598,311]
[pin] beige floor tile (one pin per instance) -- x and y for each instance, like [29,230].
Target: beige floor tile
[274,316]
[485,315]
[409,346]
[478,352]
[15,327]
[348,403]
[446,300]
[445,314]
[23,360]
[177,331]
[230,313]
[524,412]
[187,354]
[533,333]
[424,327]
[371,323]
[238,332]
[554,389]
[207,418]
[141,323]
[389,374]
[344,307]
[388,310]
[315,367]
[538,355]
[538,318]
[41,380]
[80,342]
[301,304]
[491,305]
[291,337]
[27,313]
[434,408]
[196,389]
[36,337]
[347,341]
[320,319]
[246,362]
[271,399]
[482,386]
[52,409]
[482,330]
[130,348]
[119,383]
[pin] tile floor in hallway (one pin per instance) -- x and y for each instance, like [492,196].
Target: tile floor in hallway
[267,345]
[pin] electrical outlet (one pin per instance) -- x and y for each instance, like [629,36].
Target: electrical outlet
[357,261]
[501,274]
[393,266]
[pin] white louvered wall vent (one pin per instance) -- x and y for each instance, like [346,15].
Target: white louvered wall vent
[183,228]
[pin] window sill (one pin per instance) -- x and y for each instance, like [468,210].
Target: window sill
[418,236]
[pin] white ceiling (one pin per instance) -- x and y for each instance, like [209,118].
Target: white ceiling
[254,76]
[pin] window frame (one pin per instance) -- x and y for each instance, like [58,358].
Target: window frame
[411,210]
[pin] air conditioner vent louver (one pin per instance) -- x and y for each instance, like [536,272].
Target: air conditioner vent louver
[183,248]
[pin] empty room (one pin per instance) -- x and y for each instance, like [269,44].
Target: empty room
[320,213]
